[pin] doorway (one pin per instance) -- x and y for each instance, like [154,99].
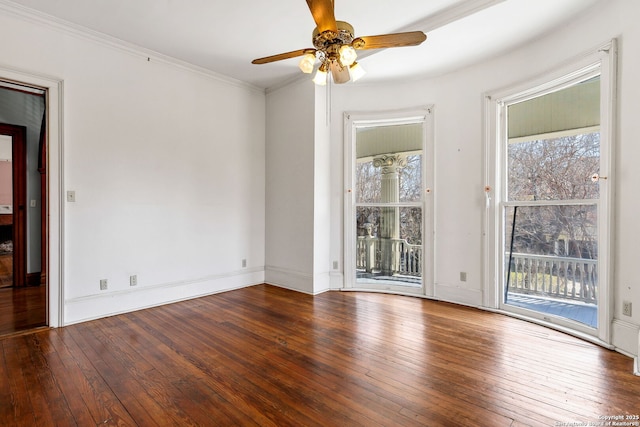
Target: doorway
[23,235]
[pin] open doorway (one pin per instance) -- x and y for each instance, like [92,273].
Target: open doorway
[23,284]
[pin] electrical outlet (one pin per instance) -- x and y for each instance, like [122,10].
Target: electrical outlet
[463,276]
[133,280]
[103,284]
[244,263]
[626,308]
[335,265]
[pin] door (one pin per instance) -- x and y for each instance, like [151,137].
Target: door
[13,243]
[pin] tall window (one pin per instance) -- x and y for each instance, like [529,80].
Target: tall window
[549,199]
[385,245]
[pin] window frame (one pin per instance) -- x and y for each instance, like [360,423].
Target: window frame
[602,61]
[355,120]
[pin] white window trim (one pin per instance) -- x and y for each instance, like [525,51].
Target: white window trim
[353,120]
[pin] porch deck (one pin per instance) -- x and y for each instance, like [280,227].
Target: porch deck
[579,311]
[574,310]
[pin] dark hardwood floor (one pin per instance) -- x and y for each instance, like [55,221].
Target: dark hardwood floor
[22,308]
[266,356]
[6,270]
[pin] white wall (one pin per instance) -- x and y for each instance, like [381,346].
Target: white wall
[168,166]
[290,185]
[458,189]
[298,209]
[322,265]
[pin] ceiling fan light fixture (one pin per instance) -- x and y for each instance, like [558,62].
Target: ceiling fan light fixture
[348,55]
[321,75]
[339,73]
[334,46]
[307,62]
[356,71]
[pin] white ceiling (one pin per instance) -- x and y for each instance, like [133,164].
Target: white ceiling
[225,36]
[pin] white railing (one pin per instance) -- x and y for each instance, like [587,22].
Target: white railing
[406,259]
[368,254]
[552,276]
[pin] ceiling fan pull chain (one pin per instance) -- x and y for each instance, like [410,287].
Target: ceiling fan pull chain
[328,101]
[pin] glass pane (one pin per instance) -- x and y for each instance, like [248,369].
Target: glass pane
[411,179]
[389,244]
[389,163]
[389,179]
[568,231]
[554,169]
[551,260]
[367,183]
[368,221]
[411,225]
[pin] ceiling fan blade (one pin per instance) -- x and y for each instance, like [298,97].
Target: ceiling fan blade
[281,56]
[322,11]
[412,38]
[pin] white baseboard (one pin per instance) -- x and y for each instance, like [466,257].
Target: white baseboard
[458,295]
[92,307]
[626,337]
[321,282]
[289,279]
[337,280]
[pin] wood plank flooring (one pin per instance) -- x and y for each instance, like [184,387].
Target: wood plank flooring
[22,308]
[6,270]
[265,356]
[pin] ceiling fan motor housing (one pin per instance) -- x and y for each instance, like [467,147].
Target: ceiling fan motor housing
[344,35]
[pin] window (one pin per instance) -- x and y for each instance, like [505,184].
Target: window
[388,211]
[548,170]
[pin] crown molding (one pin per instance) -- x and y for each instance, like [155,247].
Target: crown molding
[451,14]
[39,18]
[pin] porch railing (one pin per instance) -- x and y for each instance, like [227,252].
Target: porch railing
[406,259]
[552,276]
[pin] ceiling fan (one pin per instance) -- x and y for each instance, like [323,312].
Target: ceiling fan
[335,46]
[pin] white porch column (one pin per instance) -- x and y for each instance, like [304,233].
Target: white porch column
[390,216]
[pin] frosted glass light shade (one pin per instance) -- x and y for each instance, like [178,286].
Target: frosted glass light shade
[348,55]
[321,77]
[356,71]
[306,63]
